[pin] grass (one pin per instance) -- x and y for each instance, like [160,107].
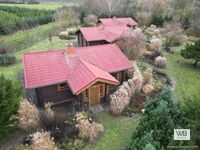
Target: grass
[117,132]
[24,39]
[187,77]
[53,6]
[13,70]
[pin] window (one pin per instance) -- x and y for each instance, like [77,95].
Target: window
[86,95]
[63,87]
[102,90]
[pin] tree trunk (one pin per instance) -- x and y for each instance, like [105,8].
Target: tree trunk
[195,64]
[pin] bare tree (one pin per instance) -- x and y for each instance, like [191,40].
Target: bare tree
[132,43]
[173,34]
[108,7]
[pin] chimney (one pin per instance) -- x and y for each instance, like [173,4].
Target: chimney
[101,26]
[114,18]
[70,49]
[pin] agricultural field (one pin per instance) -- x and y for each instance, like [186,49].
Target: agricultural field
[53,6]
[13,19]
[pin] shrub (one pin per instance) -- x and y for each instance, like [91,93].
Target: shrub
[137,78]
[28,116]
[148,76]
[43,141]
[120,99]
[161,62]
[173,34]
[152,31]
[192,51]
[4,48]
[64,35]
[88,129]
[156,127]
[90,19]
[9,102]
[7,59]
[155,44]
[49,113]
[159,20]
[132,43]
[148,89]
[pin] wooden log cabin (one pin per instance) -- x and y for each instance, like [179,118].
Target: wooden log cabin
[89,36]
[85,74]
[112,22]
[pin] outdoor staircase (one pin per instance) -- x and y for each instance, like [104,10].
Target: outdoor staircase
[96,109]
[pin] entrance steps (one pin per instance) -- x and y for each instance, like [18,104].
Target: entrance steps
[96,109]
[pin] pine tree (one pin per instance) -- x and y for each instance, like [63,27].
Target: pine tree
[9,102]
[192,51]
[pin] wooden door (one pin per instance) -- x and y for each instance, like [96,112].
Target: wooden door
[94,95]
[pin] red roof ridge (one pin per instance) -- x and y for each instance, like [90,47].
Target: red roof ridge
[47,51]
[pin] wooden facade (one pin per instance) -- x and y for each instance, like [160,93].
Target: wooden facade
[82,42]
[93,95]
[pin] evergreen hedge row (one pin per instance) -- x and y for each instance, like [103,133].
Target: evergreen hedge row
[7,59]
[16,18]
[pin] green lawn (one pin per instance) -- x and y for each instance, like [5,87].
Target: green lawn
[117,132]
[24,39]
[12,71]
[53,6]
[187,77]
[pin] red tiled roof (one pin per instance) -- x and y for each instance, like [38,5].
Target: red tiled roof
[89,64]
[111,22]
[109,34]
[86,73]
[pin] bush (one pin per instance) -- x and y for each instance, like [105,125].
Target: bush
[7,59]
[173,34]
[161,62]
[120,99]
[28,116]
[9,102]
[159,20]
[132,43]
[88,129]
[156,127]
[43,141]
[155,44]
[49,113]
[148,76]
[152,31]
[4,48]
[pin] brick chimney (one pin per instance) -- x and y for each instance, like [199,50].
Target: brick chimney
[101,26]
[114,17]
[70,49]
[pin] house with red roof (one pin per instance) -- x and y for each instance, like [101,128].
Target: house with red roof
[112,22]
[88,36]
[84,74]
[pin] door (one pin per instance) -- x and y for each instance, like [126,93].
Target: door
[94,95]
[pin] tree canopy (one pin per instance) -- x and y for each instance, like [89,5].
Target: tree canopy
[192,51]
[9,102]
[156,127]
